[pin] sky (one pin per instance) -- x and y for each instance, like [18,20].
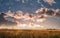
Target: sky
[32,14]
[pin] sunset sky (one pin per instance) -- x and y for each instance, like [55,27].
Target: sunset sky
[43,13]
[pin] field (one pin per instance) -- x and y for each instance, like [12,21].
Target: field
[5,33]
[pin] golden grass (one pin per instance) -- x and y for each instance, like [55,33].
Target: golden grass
[5,33]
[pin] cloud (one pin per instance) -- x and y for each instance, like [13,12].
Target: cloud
[26,17]
[40,15]
[58,14]
[49,1]
[23,1]
[17,0]
[47,11]
[6,22]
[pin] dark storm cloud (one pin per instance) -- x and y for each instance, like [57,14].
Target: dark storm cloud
[26,17]
[39,15]
[58,14]
[48,11]
[5,22]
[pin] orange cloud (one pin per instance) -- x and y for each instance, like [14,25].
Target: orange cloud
[49,1]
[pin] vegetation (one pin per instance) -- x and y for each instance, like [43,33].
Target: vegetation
[29,33]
